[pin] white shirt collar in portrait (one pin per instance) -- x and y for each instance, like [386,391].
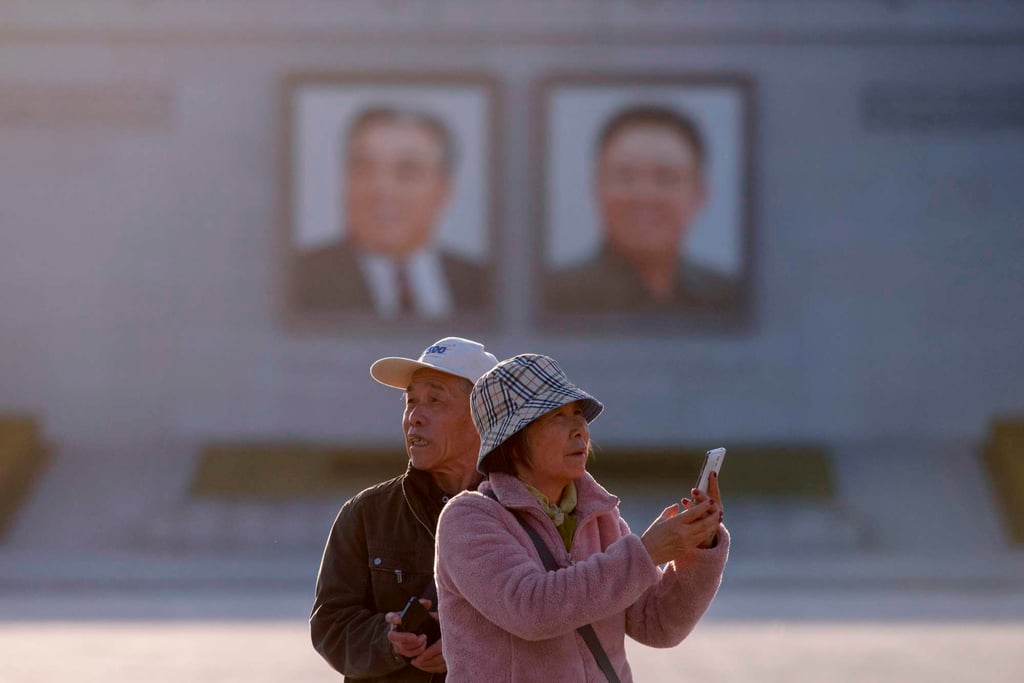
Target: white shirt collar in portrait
[431,295]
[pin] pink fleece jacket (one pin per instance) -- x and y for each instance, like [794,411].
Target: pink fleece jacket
[504,618]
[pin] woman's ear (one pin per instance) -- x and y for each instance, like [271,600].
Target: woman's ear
[521,451]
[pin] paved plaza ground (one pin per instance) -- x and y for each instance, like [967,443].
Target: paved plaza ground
[840,634]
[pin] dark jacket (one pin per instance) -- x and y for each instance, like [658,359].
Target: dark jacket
[329,279]
[379,554]
[608,283]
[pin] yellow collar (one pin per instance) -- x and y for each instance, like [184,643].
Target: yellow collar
[558,512]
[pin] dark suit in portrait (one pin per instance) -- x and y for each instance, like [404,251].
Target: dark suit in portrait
[330,279]
[607,283]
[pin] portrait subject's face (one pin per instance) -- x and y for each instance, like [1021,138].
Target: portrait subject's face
[649,189]
[396,186]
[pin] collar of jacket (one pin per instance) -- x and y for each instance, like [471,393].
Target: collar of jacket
[424,497]
[592,498]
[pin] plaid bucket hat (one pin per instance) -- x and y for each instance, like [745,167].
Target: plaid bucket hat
[517,391]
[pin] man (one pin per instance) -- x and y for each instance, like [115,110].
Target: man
[650,187]
[380,551]
[397,181]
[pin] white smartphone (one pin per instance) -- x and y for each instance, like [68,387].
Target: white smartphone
[712,463]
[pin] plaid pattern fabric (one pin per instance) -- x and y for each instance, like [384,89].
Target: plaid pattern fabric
[517,391]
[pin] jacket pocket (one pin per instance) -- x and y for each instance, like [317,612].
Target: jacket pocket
[401,572]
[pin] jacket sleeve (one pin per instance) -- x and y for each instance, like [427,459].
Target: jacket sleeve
[485,556]
[344,628]
[669,611]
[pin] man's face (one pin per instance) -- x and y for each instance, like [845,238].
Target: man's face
[439,431]
[396,186]
[649,189]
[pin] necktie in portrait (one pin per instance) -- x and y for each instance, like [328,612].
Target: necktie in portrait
[406,305]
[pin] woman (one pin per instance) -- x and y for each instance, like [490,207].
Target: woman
[503,615]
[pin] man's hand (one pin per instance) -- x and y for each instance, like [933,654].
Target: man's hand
[414,646]
[431,660]
[410,645]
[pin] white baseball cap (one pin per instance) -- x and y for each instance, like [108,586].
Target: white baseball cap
[453,355]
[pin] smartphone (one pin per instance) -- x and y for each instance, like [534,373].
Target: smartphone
[416,619]
[712,463]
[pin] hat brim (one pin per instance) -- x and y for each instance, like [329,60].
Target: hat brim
[534,409]
[397,372]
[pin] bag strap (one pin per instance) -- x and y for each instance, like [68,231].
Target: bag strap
[587,631]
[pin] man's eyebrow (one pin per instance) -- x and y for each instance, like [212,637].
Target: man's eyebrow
[430,384]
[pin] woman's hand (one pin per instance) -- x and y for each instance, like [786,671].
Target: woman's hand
[675,532]
[715,494]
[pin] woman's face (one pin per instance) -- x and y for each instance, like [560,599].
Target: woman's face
[557,444]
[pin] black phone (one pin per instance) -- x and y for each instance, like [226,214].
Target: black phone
[416,619]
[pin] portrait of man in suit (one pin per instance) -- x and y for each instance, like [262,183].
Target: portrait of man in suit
[397,181]
[650,186]
[646,202]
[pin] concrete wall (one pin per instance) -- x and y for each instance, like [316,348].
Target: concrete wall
[139,246]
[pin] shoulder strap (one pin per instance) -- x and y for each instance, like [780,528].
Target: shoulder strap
[587,631]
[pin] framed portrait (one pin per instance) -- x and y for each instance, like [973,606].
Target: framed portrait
[390,201]
[645,217]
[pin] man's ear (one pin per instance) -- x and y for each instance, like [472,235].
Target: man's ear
[447,187]
[596,197]
[701,192]
[595,182]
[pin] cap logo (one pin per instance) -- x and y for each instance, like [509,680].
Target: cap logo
[439,350]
